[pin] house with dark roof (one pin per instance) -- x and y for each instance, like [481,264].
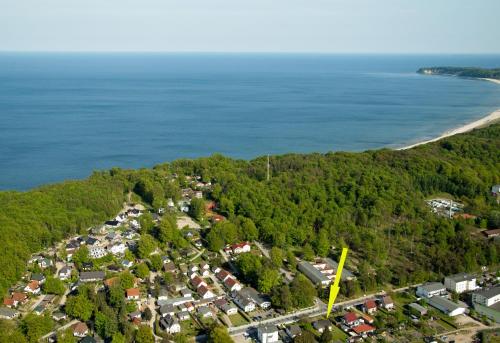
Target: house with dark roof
[7,313]
[245,303]
[204,312]
[446,306]
[92,276]
[417,309]
[387,302]
[313,274]
[268,334]
[322,325]
[261,300]
[293,331]
[170,324]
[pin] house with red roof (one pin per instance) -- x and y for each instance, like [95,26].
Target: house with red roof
[80,329]
[232,285]
[351,319]
[133,294]
[205,293]
[240,248]
[222,275]
[363,329]
[33,287]
[9,302]
[198,282]
[19,297]
[370,306]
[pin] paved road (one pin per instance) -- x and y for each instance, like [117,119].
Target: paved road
[197,255]
[318,309]
[64,327]
[265,252]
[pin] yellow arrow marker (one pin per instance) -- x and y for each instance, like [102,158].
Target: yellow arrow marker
[334,289]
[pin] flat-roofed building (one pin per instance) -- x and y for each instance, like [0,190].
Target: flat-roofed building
[313,274]
[460,283]
[430,289]
[487,296]
[446,306]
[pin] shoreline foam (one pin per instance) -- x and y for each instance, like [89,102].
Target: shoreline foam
[485,121]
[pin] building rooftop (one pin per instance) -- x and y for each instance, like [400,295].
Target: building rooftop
[418,307]
[334,265]
[488,292]
[443,303]
[267,329]
[432,286]
[313,273]
[461,277]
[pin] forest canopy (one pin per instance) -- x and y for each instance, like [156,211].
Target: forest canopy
[373,201]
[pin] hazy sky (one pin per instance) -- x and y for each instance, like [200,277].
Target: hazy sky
[406,26]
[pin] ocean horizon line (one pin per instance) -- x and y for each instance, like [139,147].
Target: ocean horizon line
[194,52]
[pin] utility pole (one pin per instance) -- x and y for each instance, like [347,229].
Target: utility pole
[268,166]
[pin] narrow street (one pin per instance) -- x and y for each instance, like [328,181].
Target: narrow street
[288,275]
[64,327]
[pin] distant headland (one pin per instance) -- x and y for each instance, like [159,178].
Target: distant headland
[480,73]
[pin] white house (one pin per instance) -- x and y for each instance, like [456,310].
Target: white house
[245,303]
[118,249]
[133,294]
[204,312]
[170,324]
[460,283]
[240,248]
[65,273]
[32,287]
[487,297]
[97,252]
[232,285]
[430,289]
[446,306]
[267,334]
[205,293]
[80,329]
[7,313]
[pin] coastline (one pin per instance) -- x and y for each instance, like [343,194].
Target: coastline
[485,121]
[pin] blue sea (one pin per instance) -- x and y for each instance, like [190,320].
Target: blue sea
[65,115]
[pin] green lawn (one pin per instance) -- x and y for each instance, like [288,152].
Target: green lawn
[339,334]
[189,328]
[237,319]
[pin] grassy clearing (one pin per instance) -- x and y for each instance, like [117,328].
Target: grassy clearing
[339,334]
[237,319]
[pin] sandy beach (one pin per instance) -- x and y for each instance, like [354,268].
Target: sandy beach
[493,80]
[488,120]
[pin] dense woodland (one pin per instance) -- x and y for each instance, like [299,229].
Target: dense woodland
[372,202]
[464,72]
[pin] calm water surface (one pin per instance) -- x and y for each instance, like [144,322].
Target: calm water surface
[64,115]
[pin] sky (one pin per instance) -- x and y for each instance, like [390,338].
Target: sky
[320,26]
